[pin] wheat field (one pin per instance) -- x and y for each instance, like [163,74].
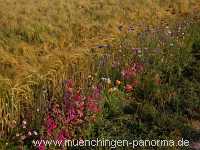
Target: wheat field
[43,42]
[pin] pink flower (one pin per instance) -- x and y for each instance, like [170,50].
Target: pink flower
[90,98]
[72,115]
[50,124]
[92,106]
[128,88]
[56,110]
[128,73]
[139,67]
[81,106]
[77,97]
[41,146]
[69,84]
[67,97]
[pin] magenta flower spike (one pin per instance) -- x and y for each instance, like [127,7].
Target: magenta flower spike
[51,124]
[72,115]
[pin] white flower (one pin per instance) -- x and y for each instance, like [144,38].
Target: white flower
[14,122]
[29,133]
[24,122]
[114,89]
[89,76]
[103,79]
[139,51]
[108,81]
[169,32]
[35,133]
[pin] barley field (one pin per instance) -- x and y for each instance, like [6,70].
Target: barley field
[87,69]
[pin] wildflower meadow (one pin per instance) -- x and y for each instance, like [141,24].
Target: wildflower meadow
[104,74]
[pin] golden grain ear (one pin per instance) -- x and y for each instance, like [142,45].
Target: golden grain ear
[183,6]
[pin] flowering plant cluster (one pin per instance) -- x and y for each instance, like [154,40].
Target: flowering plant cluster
[75,112]
[130,73]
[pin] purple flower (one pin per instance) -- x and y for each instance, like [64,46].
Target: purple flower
[195,146]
